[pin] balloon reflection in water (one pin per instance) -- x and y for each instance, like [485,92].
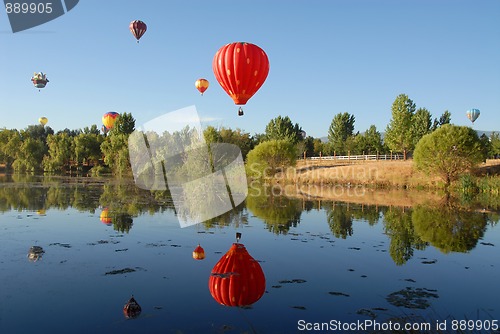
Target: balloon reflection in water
[237,279]
[132,309]
[105,217]
[199,253]
[35,253]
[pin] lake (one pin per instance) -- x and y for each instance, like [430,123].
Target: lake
[328,266]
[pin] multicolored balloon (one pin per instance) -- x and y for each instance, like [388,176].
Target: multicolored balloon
[138,28]
[109,119]
[43,120]
[241,69]
[473,114]
[39,80]
[201,85]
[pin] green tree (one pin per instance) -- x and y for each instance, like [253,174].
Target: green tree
[495,145]
[318,147]
[59,153]
[448,152]
[341,128]
[282,128]
[398,134]
[116,154]
[268,157]
[124,124]
[30,155]
[10,141]
[444,119]
[372,141]
[87,147]
[421,124]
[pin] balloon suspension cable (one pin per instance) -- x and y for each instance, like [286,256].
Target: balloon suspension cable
[240,111]
[238,237]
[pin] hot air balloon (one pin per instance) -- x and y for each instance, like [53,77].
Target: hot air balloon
[138,28]
[35,253]
[132,309]
[241,69]
[237,279]
[109,119]
[199,253]
[105,217]
[201,85]
[39,80]
[43,120]
[473,114]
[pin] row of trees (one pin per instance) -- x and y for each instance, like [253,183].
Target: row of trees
[38,148]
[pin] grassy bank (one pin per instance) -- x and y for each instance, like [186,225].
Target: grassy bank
[385,175]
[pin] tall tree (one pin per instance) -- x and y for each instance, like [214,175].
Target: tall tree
[125,124]
[444,119]
[282,128]
[398,134]
[372,141]
[421,124]
[495,145]
[341,128]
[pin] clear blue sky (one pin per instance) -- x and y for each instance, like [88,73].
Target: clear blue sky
[326,57]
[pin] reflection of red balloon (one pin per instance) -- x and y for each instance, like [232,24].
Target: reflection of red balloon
[132,309]
[237,279]
[138,28]
[241,69]
[199,253]
[105,218]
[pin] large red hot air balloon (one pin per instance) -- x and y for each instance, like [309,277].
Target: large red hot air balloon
[241,69]
[138,28]
[237,279]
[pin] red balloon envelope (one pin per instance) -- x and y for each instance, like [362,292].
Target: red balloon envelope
[138,28]
[241,69]
[237,279]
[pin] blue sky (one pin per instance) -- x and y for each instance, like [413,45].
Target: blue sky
[326,57]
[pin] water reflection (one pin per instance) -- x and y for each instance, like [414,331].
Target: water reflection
[237,278]
[450,226]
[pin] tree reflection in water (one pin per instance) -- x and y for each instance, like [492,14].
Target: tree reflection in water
[451,226]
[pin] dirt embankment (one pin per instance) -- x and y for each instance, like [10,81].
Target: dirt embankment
[390,183]
[396,174]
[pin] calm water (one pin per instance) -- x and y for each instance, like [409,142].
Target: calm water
[323,262]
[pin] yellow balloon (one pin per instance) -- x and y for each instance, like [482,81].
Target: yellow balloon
[43,120]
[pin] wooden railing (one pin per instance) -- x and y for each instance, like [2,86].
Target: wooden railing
[360,157]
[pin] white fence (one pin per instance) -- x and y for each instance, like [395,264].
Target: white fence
[360,157]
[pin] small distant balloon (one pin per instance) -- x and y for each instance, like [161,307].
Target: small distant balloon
[201,85]
[138,28]
[473,114]
[43,120]
[109,119]
[132,309]
[199,253]
[39,80]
